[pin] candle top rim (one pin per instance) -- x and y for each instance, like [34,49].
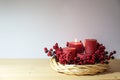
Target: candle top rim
[90,40]
[66,48]
[74,42]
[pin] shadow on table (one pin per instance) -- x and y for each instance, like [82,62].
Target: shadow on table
[114,66]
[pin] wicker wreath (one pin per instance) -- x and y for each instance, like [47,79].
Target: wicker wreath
[78,69]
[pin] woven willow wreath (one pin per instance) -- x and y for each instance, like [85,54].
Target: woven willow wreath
[78,69]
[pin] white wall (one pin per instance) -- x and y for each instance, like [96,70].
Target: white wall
[27,26]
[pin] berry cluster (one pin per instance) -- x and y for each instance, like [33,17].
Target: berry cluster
[100,56]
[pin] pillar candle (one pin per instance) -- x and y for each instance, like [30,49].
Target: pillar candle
[90,45]
[78,45]
[70,53]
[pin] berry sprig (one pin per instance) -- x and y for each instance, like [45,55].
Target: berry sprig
[55,52]
[103,56]
[49,52]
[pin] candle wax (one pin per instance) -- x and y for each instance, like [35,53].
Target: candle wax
[77,45]
[70,53]
[90,45]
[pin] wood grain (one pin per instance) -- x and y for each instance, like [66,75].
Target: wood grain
[39,69]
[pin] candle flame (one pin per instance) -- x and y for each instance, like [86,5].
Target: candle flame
[75,39]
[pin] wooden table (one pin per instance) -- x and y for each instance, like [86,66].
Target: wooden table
[39,69]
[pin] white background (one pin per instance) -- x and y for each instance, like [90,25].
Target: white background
[27,26]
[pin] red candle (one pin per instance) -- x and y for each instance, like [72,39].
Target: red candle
[90,45]
[70,53]
[77,45]
[81,56]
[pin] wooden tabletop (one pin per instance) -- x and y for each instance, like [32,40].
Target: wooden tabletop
[39,69]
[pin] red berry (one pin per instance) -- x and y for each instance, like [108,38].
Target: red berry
[67,44]
[49,54]
[107,62]
[102,53]
[101,57]
[102,62]
[106,57]
[46,50]
[51,49]
[92,61]
[88,61]
[88,57]
[80,63]
[97,52]
[103,47]
[56,44]
[75,58]
[106,52]
[55,47]
[61,49]
[114,52]
[111,53]
[112,57]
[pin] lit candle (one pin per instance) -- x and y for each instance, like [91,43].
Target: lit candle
[78,45]
[90,45]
